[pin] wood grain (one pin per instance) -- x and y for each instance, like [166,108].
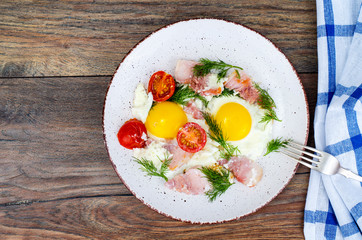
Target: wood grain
[125,217]
[90,38]
[51,135]
[57,182]
[56,61]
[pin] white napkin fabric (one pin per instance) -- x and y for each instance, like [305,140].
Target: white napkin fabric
[334,203]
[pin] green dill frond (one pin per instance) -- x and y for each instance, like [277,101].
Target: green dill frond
[237,74]
[203,100]
[222,73]
[229,151]
[217,135]
[275,144]
[206,66]
[215,129]
[165,163]
[150,168]
[219,180]
[269,115]
[183,93]
[266,102]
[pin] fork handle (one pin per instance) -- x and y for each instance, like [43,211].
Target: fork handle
[349,174]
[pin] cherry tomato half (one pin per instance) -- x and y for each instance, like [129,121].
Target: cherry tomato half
[191,137]
[131,134]
[162,86]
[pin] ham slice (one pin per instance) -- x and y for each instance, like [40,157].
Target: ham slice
[184,74]
[243,86]
[204,86]
[184,71]
[193,181]
[193,110]
[179,156]
[245,171]
[198,84]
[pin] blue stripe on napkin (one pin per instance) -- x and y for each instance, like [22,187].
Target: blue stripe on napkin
[330,33]
[339,30]
[357,211]
[334,203]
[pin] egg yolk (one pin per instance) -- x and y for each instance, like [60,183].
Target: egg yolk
[234,120]
[165,119]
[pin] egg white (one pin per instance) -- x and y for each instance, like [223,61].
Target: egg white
[155,151]
[254,144]
[214,83]
[209,155]
[142,103]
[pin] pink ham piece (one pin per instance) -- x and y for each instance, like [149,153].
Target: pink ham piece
[243,86]
[193,110]
[179,156]
[184,74]
[201,86]
[245,171]
[184,71]
[198,84]
[193,181]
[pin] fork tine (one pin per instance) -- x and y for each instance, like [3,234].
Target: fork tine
[301,162]
[306,147]
[297,156]
[304,152]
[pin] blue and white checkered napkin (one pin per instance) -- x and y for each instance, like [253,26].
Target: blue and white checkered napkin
[334,203]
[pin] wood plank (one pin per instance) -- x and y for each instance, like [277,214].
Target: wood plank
[52,143]
[57,181]
[77,38]
[124,217]
[52,140]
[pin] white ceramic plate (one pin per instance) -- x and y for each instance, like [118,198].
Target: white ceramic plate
[234,44]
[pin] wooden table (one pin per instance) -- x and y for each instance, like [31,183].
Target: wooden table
[56,60]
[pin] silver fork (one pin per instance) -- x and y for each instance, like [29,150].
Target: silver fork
[317,160]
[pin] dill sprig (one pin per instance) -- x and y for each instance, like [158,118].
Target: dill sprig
[217,135]
[268,116]
[150,168]
[206,66]
[184,93]
[275,144]
[219,180]
[266,102]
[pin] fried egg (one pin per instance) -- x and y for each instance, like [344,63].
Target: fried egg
[162,122]
[240,124]
[165,119]
[238,119]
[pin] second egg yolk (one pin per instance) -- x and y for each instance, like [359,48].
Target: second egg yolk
[165,119]
[234,120]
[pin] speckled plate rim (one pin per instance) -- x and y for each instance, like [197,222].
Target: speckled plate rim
[150,206]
